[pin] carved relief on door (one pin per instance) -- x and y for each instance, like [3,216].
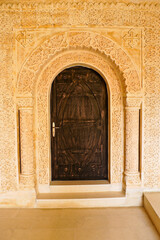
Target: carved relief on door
[79,125]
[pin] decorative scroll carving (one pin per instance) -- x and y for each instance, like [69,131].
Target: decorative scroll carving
[26,76]
[61,41]
[151,104]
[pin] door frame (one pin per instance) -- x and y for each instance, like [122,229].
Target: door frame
[83,182]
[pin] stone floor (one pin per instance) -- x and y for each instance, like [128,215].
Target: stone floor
[77,224]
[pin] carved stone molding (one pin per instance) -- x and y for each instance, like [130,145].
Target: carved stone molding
[24,102]
[76,39]
[68,4]
[133,102]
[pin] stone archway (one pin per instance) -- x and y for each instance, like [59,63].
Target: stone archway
[99,63]
[69,40]
[33,88]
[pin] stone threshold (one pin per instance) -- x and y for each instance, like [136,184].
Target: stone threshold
[80,200]
[101,199]
[86,195]
[79,187]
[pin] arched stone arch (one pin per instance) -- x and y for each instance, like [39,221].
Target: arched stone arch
[34,81]
[76,39]
[42,98]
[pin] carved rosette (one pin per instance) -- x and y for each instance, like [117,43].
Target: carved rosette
[132,141]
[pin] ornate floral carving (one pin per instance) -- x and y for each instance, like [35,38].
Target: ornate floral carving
[26,83]
[76,39]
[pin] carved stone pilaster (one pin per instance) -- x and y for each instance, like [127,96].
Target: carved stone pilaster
[26,148]
[132,145]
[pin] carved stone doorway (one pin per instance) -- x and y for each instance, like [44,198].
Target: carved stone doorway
[79,125]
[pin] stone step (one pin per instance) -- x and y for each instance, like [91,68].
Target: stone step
[80,200]
[152,206]
[80,186]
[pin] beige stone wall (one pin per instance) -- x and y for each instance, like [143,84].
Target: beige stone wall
[120,40]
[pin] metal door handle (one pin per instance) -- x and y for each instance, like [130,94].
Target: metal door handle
[54,129]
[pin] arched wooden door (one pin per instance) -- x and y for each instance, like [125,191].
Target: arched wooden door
[79,125]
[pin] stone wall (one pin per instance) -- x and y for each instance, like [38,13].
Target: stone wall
[124,37]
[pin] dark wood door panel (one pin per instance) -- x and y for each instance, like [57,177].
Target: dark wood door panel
[79,109]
